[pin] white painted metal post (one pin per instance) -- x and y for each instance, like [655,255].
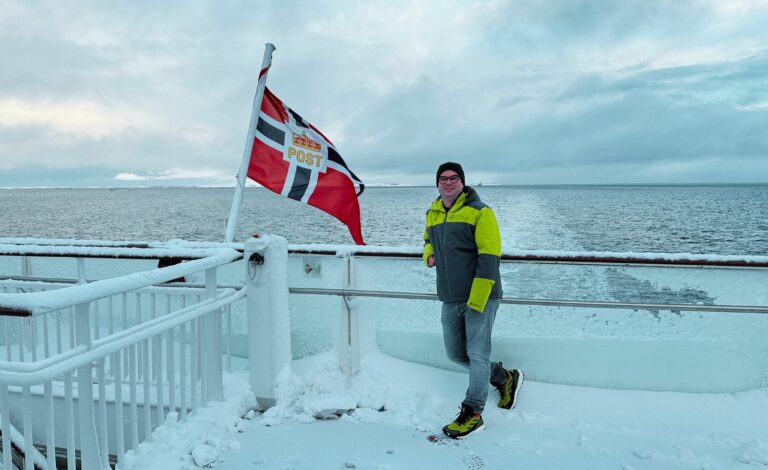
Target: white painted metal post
[349,331]
[6,427]
[269,331]
[29,453]
[212,342]
[26,266]
[80,271]
[49,436]
[118,423]
[90,455]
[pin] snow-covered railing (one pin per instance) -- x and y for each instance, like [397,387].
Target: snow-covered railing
[37,303]
[133,345]
[562,315]
[101,248]
[351,293]
[549,256]
[577,285]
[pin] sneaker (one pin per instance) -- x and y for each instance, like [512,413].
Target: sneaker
[466,423]
[509,389]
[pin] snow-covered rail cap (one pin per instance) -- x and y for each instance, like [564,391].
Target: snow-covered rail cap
[183,249]
[549,256]
[638,258]
[110,249]
[37,303]
[349,250]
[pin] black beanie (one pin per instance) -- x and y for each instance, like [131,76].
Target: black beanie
[450,166]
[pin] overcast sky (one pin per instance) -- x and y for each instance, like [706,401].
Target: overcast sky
[537,92]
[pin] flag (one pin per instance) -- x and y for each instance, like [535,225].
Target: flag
[293,158]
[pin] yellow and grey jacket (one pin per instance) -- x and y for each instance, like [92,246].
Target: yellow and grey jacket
[467,248]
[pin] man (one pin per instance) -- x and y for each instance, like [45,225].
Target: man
[462,241]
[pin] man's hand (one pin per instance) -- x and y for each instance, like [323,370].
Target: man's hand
[431,261]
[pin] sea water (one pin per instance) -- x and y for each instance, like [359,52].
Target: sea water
[705,219]
[618,348]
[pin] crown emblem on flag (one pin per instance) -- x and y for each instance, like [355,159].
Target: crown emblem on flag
[301,140]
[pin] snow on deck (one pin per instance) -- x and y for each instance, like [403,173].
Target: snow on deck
[553,426]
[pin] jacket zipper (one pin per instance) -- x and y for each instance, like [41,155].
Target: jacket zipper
[445,252]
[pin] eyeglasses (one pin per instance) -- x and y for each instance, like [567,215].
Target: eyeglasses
[452,179]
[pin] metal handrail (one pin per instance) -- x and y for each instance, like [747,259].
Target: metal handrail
[539,302]
[550,257]
[49,282]
[32,373]
[109,252]
[37,303]
[193,250]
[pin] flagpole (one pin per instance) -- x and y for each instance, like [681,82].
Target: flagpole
[234,211]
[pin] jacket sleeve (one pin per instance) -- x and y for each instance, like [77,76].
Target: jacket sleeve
[428,251]
[488,242]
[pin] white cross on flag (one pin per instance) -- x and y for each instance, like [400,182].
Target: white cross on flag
[291,157]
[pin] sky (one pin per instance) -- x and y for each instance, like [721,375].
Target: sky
[548,92]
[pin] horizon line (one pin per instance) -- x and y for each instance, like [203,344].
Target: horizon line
[401,185]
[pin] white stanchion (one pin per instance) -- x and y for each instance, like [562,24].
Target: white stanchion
[269,332]
[349,328]
[212,345]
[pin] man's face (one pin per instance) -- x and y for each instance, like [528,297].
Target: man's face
[449,185]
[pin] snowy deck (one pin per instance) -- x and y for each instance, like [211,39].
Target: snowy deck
[553,427]
[633,361]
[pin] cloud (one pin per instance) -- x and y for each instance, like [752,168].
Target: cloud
[176,174]
[130,177]
[508,87]
[76,117]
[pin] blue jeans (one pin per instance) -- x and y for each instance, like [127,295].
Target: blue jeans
[467,339]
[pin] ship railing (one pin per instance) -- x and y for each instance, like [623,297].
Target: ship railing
[351,293]
[646,308]
[38,337]
[82,359]
[343,275]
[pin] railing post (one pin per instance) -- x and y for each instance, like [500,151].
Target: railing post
[80,271]
[90,456]
[269,331]
[212,343]
[349,331]
[26,266]
[6,427]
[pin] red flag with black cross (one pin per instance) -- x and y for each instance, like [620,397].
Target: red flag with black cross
[292,157]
